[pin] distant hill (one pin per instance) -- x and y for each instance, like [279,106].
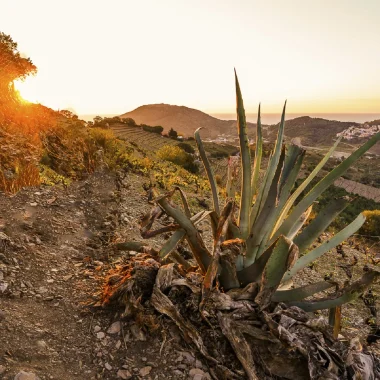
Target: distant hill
[183,119]
[312,130]
[309,130]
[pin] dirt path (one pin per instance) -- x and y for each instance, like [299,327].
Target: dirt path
[54,251]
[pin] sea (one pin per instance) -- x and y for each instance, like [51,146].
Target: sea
[274,118]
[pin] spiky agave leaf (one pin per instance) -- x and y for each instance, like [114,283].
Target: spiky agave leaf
[283,256]
[322,185]
[200,252]
[302,292]
[209,171]
[270,172]
[304,184]
[245,154]
[347,294]
[259,227]
[320,223]
[258,156]
[326,246]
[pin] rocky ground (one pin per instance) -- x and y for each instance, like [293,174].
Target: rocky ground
[56,247]
[55,251]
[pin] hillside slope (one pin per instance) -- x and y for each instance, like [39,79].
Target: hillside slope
[310,131]
[183,119]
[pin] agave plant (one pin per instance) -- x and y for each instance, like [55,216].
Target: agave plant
[260,244]
[266,243]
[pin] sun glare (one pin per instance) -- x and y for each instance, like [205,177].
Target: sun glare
[27,90]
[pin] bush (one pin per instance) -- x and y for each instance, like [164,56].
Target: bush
[157,129]
[219,154]
[173,154]
[371,227]
[179,157]
[186,147]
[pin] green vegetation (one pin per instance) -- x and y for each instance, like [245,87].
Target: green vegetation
[269,226]
[173,134]
[178,156]
[186,147]
[157,129]
[371,227]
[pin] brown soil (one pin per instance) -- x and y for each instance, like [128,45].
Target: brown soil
[53,267]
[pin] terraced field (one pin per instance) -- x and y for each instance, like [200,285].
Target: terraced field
[146,140]
[151,142]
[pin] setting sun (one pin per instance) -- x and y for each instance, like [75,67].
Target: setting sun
[28,89]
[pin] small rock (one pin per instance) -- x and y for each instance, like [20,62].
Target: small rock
[34,204]
[137,333]
[2,369]
[196,371]
[3,287]
[118,344]
[198,364]
[42,345]
[145,371]
[124,374]
[97,329]
[114,328]
[26,376]
[188,357]
[108,366]
[100,335]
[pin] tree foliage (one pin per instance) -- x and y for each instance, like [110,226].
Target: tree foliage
[12,65]
[173,133]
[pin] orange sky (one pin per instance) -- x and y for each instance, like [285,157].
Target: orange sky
[99,57]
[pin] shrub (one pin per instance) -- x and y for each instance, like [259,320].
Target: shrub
[173,154]
[218,179]
[219,154]
[179,157]
[157,129]
[371,227]
[186,147]
[26,174]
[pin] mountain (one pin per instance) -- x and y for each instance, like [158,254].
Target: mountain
[313,130]
[309,131]
[183,119]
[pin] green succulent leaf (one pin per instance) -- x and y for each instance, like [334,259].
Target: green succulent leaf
[172,243]
[326,246]
[282,257]
[258,156]
[320,223]
[262,224]
[347,294]
[200,252]
[322,185]
[245,154]
[270,172]
[302,292]
[299,224]
[208,169]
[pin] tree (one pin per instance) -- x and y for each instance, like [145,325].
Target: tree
[12,65]
[129,121]
[173,133]
[98,119]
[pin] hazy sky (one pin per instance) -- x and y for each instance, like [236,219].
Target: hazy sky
[113,56]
